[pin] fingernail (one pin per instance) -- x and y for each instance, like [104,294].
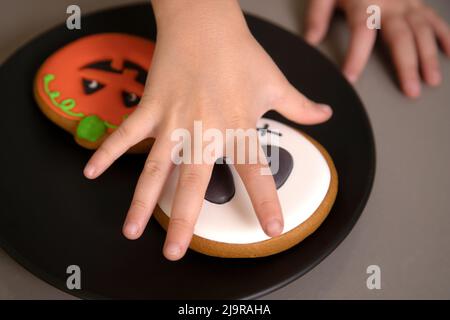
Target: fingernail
[173,251]
[131,229]
[325,108]
[274,228]
[89,171]
[413,89]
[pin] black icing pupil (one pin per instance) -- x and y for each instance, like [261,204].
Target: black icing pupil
[221,185]
[130,99]
[91,86]
[284,164]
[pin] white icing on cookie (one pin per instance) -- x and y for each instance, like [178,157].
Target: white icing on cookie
[235,221]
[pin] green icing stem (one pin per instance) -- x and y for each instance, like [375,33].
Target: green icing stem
[91,128]
[66,105]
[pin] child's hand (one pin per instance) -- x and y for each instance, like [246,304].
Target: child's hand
[409,27]
[208,67]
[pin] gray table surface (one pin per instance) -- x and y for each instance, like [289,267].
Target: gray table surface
[405,228]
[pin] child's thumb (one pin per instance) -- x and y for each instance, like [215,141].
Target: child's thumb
[298,108]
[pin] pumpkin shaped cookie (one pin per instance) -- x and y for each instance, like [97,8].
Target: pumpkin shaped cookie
[91,85]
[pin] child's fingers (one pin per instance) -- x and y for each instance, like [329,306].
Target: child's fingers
[134,129]
[263,195]
[192,184]
[427,48]
[441,29]
[400,40]
[150,184]
[318,16]
[298,108]
[361,44]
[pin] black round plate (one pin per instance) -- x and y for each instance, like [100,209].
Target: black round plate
[52,217]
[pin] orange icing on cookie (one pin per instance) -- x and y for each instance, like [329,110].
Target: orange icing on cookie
[101,76]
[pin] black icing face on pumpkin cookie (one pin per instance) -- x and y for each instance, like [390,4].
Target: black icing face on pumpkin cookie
[129,98]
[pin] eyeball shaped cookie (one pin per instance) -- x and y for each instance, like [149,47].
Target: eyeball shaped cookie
[91,85]
[227,226]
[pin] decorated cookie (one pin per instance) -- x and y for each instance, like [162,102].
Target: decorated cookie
[227,226]
[91,85]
